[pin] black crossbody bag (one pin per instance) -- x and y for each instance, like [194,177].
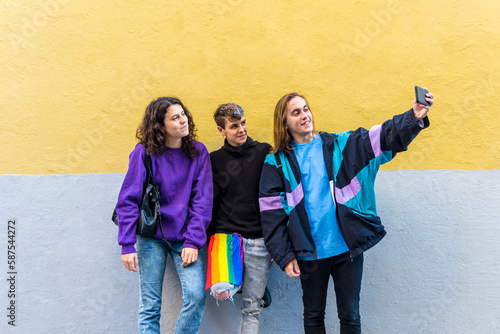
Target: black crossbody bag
[149,212]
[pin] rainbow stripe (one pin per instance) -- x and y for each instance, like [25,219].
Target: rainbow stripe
[225,259]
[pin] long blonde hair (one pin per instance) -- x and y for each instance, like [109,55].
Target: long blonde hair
[282,138]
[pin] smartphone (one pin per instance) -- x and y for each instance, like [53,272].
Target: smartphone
[420,95]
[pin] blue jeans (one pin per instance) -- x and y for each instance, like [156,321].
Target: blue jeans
[255,273]
[152,256]
[346,274]
[257,267]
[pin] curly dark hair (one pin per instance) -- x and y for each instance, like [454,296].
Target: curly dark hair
[152,134]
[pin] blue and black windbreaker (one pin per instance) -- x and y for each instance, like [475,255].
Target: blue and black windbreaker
[352,160]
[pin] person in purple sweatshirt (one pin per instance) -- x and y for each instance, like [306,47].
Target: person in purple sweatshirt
[181,169]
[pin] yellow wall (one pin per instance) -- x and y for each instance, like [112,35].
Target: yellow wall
[76,76]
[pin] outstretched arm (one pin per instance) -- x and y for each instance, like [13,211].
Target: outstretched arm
[397,133]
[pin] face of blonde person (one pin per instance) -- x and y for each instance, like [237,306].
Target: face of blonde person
[235,131]
[176,126]
[299,120]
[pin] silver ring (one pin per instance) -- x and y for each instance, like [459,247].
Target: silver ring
[291,272]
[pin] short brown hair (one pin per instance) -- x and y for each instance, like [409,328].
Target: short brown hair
[231,110]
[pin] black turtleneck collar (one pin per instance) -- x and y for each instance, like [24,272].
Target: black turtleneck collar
[240,149]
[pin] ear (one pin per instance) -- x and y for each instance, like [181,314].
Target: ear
[221,130]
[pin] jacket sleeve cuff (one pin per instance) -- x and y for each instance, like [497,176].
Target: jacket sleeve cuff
[287,258]
[422,123]
[426,122]
[188,244]
[127,249]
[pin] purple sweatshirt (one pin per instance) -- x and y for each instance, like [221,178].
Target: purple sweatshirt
[186,190]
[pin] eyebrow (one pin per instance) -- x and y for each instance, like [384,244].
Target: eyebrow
[234,124]
[176,114]
[298,109]
[232,120]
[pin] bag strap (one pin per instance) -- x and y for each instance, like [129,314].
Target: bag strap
[147,161]
[149,173]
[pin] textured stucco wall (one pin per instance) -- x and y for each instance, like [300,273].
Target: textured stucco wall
[77,75]
[435,272]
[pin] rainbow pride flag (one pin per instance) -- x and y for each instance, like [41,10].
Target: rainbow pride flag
[225,259]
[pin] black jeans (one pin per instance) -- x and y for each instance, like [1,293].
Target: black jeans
[346,274]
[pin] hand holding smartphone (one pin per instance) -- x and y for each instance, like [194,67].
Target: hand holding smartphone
[420,95]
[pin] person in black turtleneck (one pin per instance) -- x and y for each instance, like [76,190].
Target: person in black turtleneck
[236,169]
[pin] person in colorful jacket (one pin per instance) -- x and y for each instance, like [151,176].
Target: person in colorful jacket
[236,168]
[317,202]
[181,169]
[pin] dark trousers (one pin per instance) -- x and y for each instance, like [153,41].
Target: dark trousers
[346,274]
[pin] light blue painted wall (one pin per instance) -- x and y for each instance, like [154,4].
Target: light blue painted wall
[437,270]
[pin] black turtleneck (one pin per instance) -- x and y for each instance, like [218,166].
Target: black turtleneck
[236,172]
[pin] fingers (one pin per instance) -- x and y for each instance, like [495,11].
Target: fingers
[183,257]
[292,268]
[189,256]
[130,261]
[136,263]
[296,269]
[429,97]
[420,110]
[188,259]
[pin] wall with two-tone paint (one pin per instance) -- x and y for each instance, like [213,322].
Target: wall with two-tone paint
[77,76]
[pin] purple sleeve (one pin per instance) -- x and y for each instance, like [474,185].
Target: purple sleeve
[129,200]
[200,208]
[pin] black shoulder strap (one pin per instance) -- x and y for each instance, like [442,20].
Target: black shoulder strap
[149,172]
[147,163]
